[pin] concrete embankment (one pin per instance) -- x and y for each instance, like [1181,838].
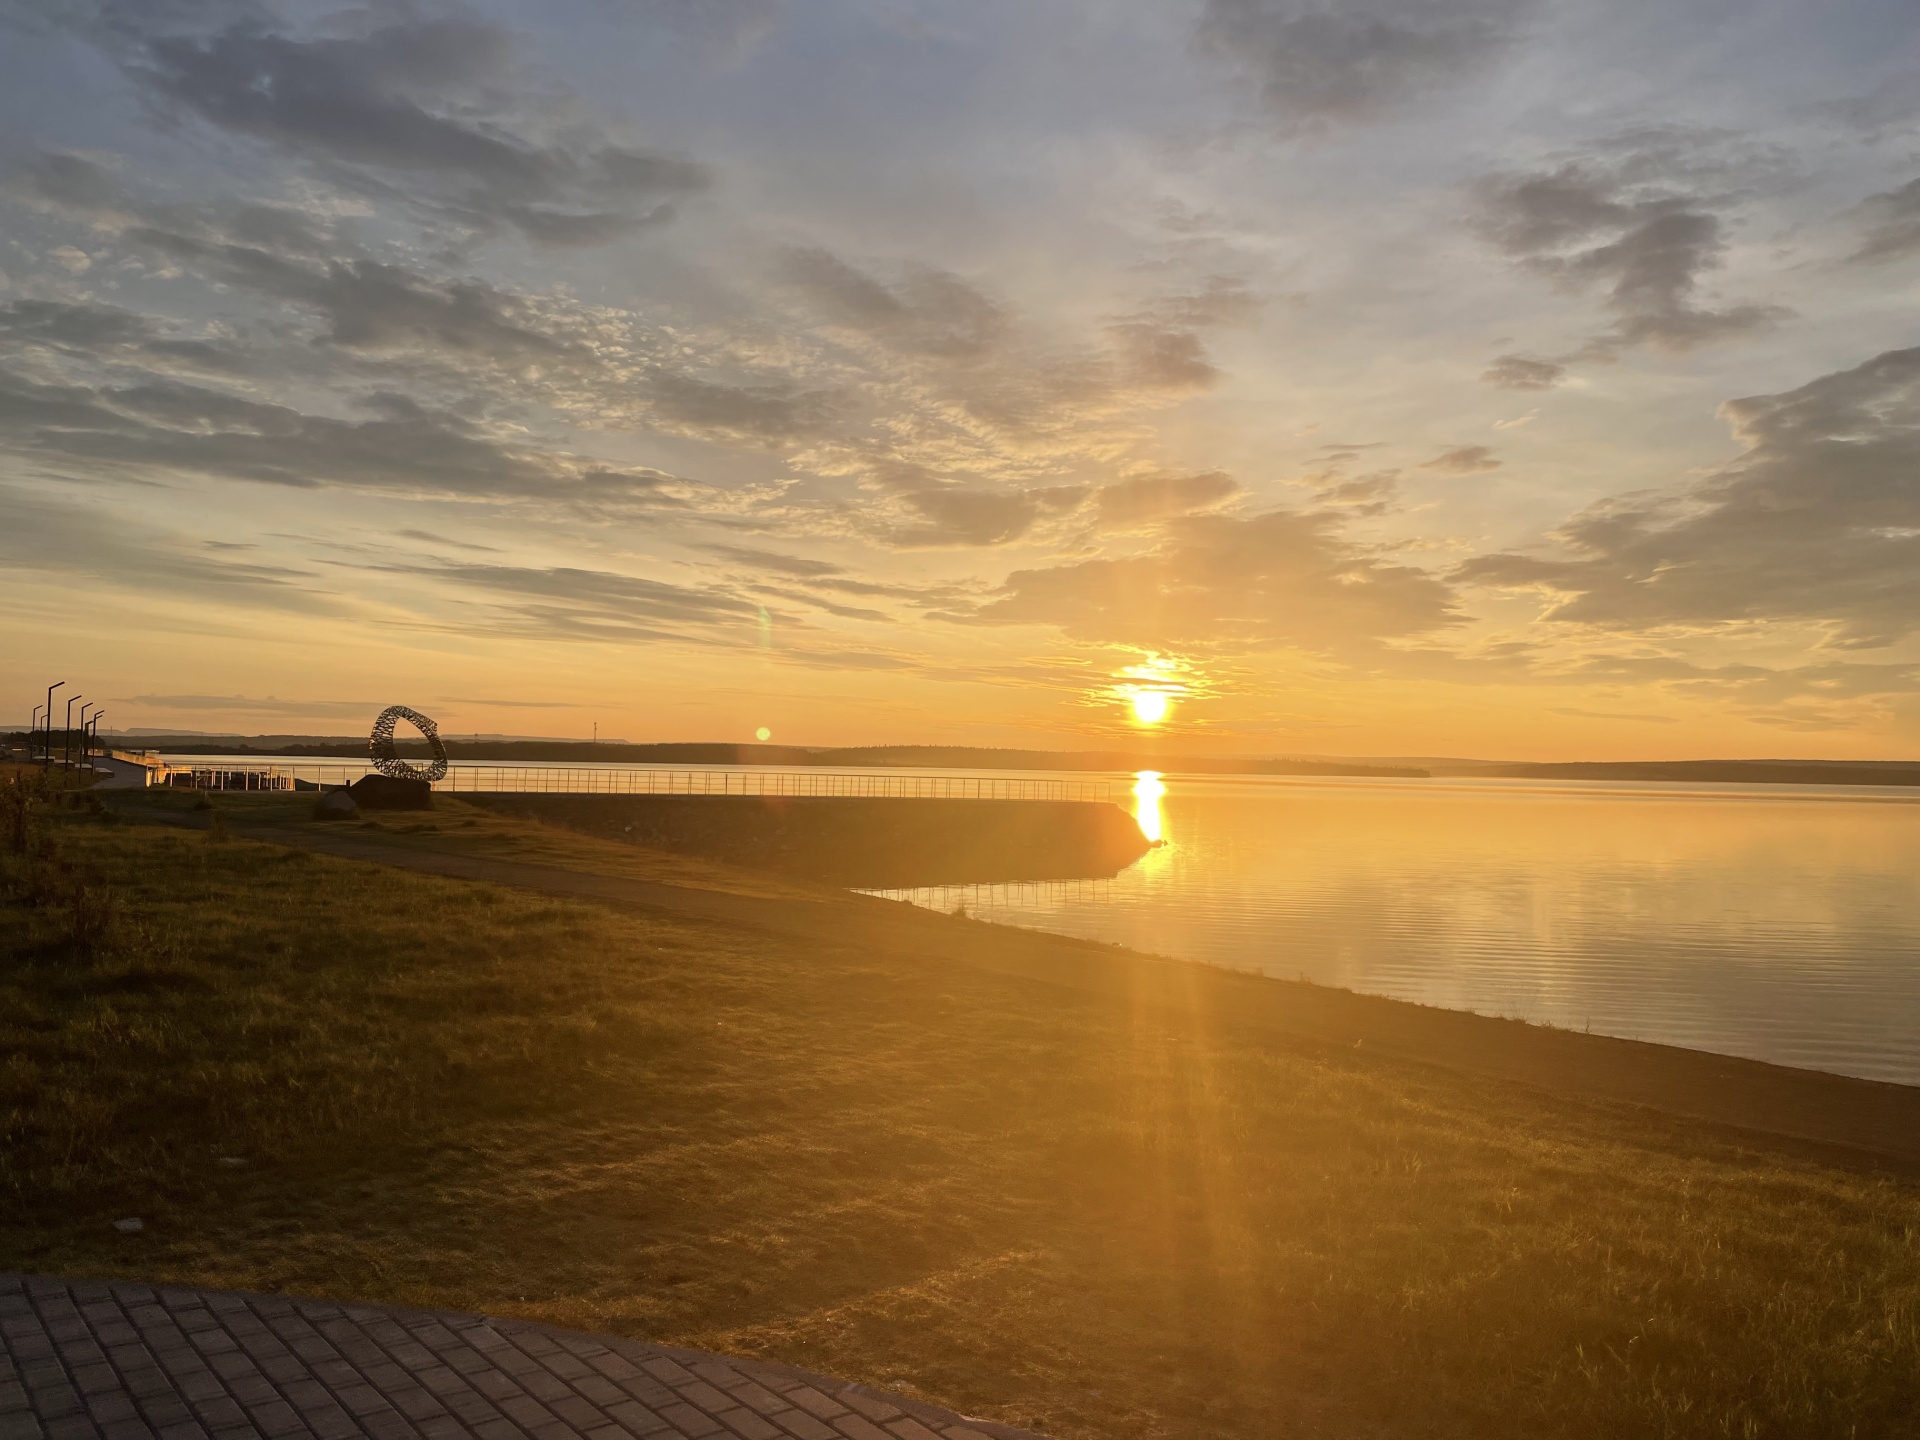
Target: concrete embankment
[860,842]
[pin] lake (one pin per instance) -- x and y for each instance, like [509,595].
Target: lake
[1777,923]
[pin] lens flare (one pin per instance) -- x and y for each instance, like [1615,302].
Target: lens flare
[1150,706]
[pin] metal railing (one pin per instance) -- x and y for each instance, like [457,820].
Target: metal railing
[218,774]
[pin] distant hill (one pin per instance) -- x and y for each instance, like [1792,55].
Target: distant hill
[1725,772]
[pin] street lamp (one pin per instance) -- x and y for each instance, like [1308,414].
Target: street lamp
[66,735]
[46,754]
[83,728]
[96,730]
[33,729]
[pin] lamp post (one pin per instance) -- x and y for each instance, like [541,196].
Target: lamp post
[33,729]
[83,729]
[66,734]
[96,731]
[46,754]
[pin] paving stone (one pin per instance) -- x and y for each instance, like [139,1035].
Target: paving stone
[636,1418]
[689,1421]
[163,1411]
[543,1386]
[706,1397]
[805,1426]
[98,1361]
[578,1411]
[746,1424]
[276,1418]
[874,1407]
[115,1405]
[812,1401]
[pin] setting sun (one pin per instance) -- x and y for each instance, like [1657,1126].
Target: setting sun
[1150,706]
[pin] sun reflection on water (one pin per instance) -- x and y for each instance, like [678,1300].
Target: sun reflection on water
[1147,790]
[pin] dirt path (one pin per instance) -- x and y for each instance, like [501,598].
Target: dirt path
[1831,1117]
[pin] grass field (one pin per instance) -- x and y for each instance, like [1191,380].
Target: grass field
[1058,1207]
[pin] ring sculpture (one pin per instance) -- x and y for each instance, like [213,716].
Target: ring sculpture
[387,760]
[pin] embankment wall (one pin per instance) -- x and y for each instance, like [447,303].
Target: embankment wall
[864,843]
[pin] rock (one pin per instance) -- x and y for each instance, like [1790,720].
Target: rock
[335,805]
[386,792]
[232,1162]
[132,1225]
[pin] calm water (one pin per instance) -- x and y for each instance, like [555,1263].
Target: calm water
[1781,925]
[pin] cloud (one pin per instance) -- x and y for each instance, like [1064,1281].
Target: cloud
[1635,718]
[410,109]
[1283,578]
[108,333]
[168,426]
[776,410]
[941,346]
[767,560]
[1818,521]
[1370,494]
[456,330]
[1153,498]
[46,534]
[723,32]
[1518,372]
[1464,460]
[427,537]
[378,308]
[1629,226]
[242,704]
[927,311]
[511,704]
[1891,222]
[955,515]
[1317,64]
[574,603]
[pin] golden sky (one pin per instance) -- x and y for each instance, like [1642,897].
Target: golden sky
[1389,377]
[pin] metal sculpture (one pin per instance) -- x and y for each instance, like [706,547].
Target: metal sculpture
[387,760]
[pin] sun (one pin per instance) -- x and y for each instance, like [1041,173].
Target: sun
[1150,706]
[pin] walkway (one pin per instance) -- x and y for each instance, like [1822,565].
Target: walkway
[90,1361]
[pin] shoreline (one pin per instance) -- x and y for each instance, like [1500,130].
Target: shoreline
[1820,1114]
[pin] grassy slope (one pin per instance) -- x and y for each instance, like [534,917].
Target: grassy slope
[1057,1209]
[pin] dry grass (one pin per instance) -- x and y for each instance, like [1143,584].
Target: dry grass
[1060,1209]
[458,827]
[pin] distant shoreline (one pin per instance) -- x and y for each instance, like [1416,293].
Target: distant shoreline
[956,757]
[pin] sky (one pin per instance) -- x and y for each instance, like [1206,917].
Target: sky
[1514,378]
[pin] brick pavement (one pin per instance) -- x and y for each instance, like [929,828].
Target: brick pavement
[82,1360]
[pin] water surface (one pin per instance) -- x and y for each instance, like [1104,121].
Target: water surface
[1772,922]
